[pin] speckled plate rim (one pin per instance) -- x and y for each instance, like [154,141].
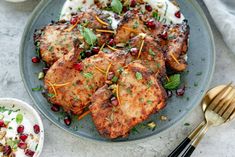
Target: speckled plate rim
[28,108]
[38,10]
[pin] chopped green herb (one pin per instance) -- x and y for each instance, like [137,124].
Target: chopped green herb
[36,147]
[173,83]
[156,16]
[19,118]
[12,143]
[120,70]
[50,48]
[10,128]
[187,98]
[88,35]
[79,9]
[129,90]
[136,25]
[9,112]
[166,8]
[88,75]
[51,95]
[149,83]
[114,79]
[149,102]
[135,130]
[138,76]
[116,6]
[3,109]
[151,52]
[37,88]
[170,37]
[199,73]
[186,124]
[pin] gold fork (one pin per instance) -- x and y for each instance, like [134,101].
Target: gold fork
[220,110]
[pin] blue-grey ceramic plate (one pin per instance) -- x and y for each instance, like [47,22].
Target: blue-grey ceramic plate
[201,58]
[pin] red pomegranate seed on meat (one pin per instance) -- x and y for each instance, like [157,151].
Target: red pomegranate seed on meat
[36,128]
[78,66]
[134,51]
[125,9]
[29,153]
[20,129]
[164,35]
[74,20]
[88,53]
[151,24]
[178,14]
[35,59]
[7,150]
[133,3]
[23,137]
[180,91]
[22,145]
[55,108]
[2,124]
[114,101]
[148,7]
[67,120]
[111,42]
[95,50]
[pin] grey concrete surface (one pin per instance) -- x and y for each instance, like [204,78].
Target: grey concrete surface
[219,142]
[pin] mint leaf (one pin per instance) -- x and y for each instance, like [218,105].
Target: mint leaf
[138,76]
[88,35]
[116,6]
[19,118]
[173,83]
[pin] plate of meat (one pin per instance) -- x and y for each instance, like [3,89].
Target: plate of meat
[116,70]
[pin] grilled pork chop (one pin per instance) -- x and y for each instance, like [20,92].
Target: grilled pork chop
[173,38]
[140,96]
[72,88]
[56,39]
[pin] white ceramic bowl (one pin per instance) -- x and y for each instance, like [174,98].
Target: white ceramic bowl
[29,111]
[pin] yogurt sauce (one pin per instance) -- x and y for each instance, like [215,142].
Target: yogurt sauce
[9,115]
[166,10]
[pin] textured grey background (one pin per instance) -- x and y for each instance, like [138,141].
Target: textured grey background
[219,142]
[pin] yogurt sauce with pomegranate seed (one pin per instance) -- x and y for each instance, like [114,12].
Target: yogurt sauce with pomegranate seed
[166,10]
[12,118]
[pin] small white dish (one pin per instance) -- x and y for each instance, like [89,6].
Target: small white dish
[29,113]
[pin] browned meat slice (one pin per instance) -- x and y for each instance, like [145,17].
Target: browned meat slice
[140,95]
[56,39]
[133,23]
[73,89]
[177,43]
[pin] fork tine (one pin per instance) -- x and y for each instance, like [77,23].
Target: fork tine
[224,103]
[219,96]
[229,111]
[232,115]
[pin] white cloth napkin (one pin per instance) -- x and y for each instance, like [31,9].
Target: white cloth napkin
[223,13]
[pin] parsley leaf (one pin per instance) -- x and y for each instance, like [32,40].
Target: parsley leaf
[151,52]
[116,6]
[138,76]
[88,75]
[19,118]
[173,83]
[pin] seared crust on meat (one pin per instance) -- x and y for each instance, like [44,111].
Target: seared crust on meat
[177,43]
[55,40]
[75,95]
[139,98]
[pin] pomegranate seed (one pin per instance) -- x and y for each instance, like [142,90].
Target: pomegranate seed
[35,59]
[95,50]
[148,7]
[125,9]
[110,75]
[169,93]
[151,24]
[111,42]
[78,66]
[20,129]
[164,35]
[7,150]
[23,137]
[114,101]
[88,53]
[45,70]
[67,120]
[2,124]
[22,145]
[74,20]
[133,3]
[178,14]
[55,108]
[134,51]
[36,128]
[29,153]
[180,91]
